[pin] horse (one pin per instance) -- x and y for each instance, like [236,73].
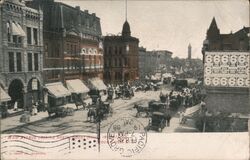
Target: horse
[91,115]
[141,109]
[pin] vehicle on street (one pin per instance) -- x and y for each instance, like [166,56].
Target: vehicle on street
[157,122]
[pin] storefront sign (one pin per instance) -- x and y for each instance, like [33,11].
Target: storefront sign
[227,69]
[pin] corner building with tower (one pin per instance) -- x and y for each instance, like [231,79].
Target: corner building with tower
[121,57]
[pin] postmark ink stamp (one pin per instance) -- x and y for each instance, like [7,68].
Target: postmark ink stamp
[127,136]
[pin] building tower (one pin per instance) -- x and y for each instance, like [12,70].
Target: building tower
[189,51]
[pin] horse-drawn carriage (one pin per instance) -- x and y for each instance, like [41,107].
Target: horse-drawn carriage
[127,93]
[100,111]
[153,106]
[157,121]
[78,101]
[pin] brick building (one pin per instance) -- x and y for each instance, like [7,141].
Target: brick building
[21,53]
[72,42]
[121,57]
[226,70]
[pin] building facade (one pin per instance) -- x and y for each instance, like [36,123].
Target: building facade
[226,70]
[72,42]
[121,57]
[21,52]
[154,61]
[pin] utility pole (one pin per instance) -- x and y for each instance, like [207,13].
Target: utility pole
[99,125]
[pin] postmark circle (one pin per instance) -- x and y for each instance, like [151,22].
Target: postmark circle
[127,136]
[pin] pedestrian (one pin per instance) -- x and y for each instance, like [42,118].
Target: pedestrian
[181,120]
[168,120]
[34,108]
[15,105]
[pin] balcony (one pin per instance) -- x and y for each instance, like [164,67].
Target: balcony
[15,45]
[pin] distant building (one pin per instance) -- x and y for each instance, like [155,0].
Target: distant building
[142,61]
[72,42]
[21,53]
[226,70]
[121,57]
[189,51]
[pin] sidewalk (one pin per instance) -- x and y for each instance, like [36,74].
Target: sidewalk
[12,122]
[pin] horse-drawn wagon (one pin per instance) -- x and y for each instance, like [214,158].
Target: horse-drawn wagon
[99,111]
[158,121]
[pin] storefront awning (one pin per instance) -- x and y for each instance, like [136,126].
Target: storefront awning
[17,30]
[189,112]
[4,97]
[77,86]
[98,84]
[57,89]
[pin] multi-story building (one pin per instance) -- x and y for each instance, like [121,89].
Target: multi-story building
[121,57]
[72,42]
[154,61]
[21,52]
[226,70]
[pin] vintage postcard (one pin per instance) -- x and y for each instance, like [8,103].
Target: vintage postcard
[124,79]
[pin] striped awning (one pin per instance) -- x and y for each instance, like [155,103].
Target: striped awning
[98,84]
[77,86]
[57,89]
[17,30]
[4,97]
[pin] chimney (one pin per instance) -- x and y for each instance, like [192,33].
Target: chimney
[78,7]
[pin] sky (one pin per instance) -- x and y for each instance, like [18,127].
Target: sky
[168,24]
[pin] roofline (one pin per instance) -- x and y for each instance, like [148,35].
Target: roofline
[82,11]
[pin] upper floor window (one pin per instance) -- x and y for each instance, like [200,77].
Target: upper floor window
[36,61]
[30,63]
[35,37]
[120,50]
[110,50]
[11,62]
[29,35]
[19,62]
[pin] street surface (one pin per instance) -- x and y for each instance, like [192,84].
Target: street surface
[78,122]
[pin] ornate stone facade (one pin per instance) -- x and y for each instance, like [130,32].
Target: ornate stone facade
[21,51]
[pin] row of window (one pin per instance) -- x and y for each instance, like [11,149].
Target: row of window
[15,33]
[117,62]
[16,62]
[113,50]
